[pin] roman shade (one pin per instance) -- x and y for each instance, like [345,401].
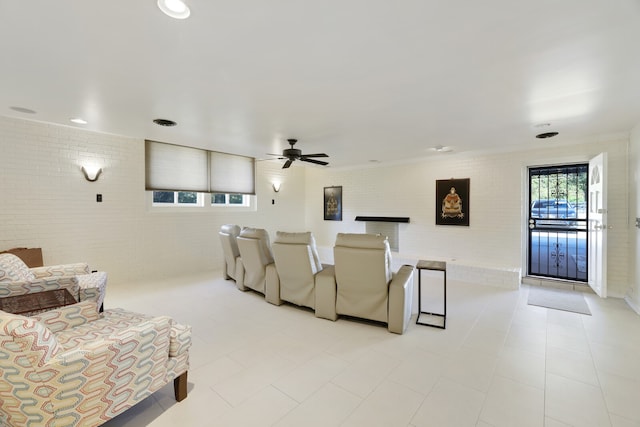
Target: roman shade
[170,167]
[231,174]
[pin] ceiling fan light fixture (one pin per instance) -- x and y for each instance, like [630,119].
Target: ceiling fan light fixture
[174,8]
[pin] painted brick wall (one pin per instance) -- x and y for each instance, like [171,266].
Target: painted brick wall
[47,203]
[495,237]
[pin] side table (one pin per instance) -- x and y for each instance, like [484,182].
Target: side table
[434,266]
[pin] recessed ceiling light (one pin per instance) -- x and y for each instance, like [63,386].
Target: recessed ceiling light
[441,149]
[546,135]
[174,8]
[23,110]
[164,122]
[78,121]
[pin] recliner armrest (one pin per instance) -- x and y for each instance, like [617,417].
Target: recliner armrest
[400,299]
[272,285]
[325,281]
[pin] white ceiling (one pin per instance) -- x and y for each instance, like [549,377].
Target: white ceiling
[360,80]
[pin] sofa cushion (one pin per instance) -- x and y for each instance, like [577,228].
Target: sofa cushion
[26,340]
[69,316]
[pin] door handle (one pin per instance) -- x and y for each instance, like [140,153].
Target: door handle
[600,227]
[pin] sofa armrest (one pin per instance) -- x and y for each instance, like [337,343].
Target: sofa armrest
[180,339]
[9,289]
[400,299]
[61,270]
[69,316]
[326,293]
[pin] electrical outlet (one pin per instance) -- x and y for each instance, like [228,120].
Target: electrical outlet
[98,198]
[638,222]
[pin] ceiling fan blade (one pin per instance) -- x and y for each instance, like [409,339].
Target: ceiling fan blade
[315,155]
[271,154]
[317,162]
[287,164]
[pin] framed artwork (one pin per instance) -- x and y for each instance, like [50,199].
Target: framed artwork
[333,203]
[452,202]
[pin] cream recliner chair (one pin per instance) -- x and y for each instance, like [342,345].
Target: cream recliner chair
[256,265]
[366,286]
[228,235]
[302,279]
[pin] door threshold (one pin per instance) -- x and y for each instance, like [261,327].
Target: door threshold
[557,284]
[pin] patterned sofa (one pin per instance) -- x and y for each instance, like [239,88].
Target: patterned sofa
[17,279]
[75,367]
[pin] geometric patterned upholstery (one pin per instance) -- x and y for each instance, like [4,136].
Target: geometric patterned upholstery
[17,279]
[74,367]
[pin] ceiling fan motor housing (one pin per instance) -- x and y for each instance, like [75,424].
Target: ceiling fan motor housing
[292,153]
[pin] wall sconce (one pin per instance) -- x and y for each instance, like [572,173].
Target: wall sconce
[276,186]
[91,173]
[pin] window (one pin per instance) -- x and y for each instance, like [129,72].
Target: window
[218,199]
[196,199]
[177,198]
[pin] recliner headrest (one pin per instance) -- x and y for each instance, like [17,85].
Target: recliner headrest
[300,238]
[365,241]
[230,229]
[254,233]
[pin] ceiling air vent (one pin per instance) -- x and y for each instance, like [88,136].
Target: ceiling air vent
[164,122]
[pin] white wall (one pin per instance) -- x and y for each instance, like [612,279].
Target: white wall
[495,236]
[633,295]
[47,203]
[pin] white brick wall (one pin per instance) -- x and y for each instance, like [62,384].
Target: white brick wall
[46,202]
[495,237]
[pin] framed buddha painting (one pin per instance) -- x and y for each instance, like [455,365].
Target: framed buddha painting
[333,203]
[452,201]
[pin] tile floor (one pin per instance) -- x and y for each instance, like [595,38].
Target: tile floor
[500,362]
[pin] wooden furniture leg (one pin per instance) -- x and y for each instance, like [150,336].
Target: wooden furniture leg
[180,387]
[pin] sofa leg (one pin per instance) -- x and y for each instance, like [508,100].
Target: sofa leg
[180,387]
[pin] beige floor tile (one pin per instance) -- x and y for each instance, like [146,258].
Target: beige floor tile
[449,405]
[389,404]
[328,407]
[510,403]
[256,364]
[574,402]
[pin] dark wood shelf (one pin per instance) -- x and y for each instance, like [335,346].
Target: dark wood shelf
[404,219]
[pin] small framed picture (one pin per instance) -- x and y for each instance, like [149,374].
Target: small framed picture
[333,203]
[452,202]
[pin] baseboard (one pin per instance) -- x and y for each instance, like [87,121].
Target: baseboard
[635,307]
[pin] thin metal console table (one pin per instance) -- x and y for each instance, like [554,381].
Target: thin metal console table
[434,266]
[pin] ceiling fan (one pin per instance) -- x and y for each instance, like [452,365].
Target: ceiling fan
[293,154]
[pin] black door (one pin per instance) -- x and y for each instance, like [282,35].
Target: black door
[558,222]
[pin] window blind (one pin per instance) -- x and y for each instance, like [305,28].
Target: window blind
[171,167]
[231,174]
[175,168]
